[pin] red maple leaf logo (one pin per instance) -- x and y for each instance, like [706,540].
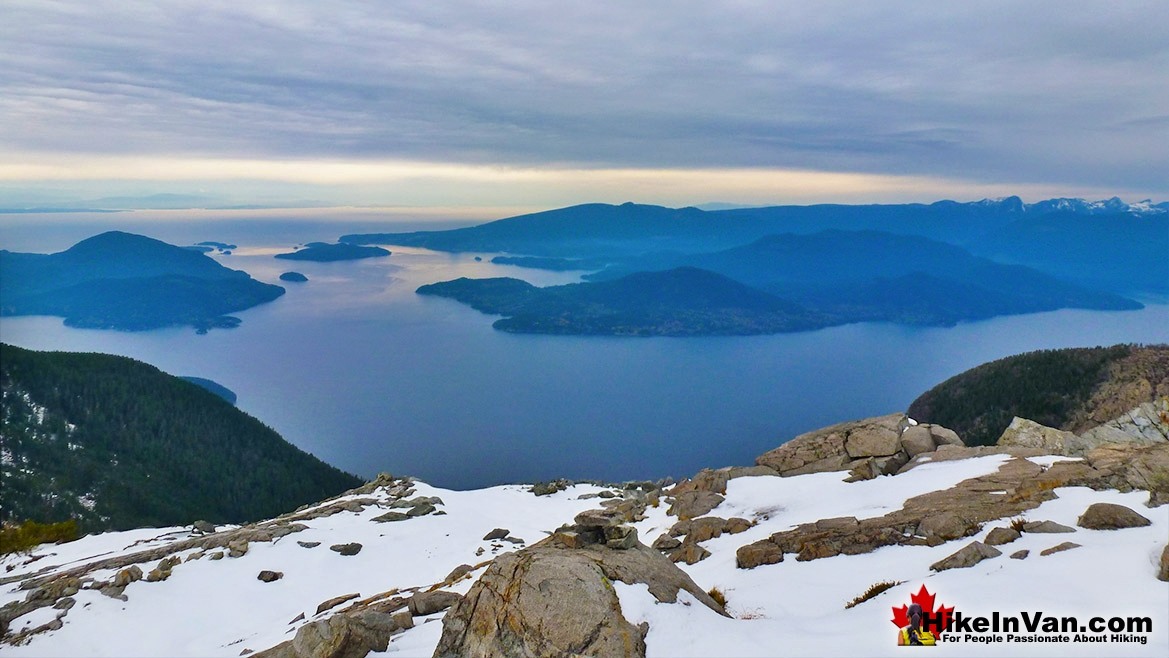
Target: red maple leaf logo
[926,601]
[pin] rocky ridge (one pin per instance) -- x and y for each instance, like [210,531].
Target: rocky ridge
[568,592]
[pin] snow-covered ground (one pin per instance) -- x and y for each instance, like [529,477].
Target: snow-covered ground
[220,608]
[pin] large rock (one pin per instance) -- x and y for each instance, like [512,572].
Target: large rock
[758,554]
[968,556]
[878,439]
[512,613]
[428,603]
[340,636]
[1163,569]
[1001,535]
[692,504]
[944,436]
[1024,433]
[835,448]
[945,526]
[917,439]
[1107,516]
[547,600]
[707,527]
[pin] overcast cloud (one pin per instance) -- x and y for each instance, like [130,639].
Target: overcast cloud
[1061,94]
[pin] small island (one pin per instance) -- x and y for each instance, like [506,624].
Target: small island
[294,277]
[324,252]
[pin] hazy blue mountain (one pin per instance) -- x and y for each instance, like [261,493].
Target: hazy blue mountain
[124,281]
[678,302]
[584,231]
[592,230]
[325,252]
[869,275]
[1123,252]
[1107,245]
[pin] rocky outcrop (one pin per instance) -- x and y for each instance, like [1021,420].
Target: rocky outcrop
[1147,423]
[1108,516]
[967,556]
[999,536]
[867,448]
[556,598]
[428,603]
[1059,548]
[340,636]
[692,504]
[928,520]
[1025,433]
[715,480]
[538,603]
[1046,527]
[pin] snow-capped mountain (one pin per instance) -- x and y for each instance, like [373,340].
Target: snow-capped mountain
[1107,206]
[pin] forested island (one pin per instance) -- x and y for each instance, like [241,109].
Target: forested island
[679,302]
[119,280]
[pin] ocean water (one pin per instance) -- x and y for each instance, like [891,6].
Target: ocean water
[357,369]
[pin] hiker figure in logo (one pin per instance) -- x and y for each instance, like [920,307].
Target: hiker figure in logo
[913,635]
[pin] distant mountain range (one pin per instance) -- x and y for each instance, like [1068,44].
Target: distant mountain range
[124,281]
[912,264]
[1109,245]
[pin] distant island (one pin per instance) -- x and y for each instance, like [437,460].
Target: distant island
[325,252]
[294,277]
[130,282]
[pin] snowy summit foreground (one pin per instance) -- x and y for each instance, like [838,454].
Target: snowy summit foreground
[775,561]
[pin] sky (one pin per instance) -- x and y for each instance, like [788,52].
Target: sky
[538,104]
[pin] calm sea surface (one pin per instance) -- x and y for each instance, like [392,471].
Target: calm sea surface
[356,368]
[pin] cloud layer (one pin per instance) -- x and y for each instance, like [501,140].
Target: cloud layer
[1069,94]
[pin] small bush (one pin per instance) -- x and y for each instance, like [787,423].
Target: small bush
[1017,524]
[872,591]
[23,537]
[718,596]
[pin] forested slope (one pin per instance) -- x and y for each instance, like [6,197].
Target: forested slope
[116,443]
